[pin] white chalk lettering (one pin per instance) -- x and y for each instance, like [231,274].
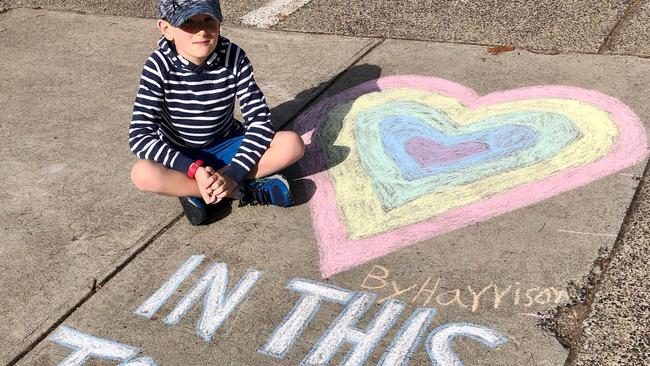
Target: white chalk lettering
[86,346]
[438,343]
[344,341]
[160,297]
[144,361]
[407,339]
[313,294]
[344,330]
[217,306]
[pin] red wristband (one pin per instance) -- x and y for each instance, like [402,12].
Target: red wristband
[193,168]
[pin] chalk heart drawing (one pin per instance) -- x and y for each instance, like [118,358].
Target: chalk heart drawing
[404,158]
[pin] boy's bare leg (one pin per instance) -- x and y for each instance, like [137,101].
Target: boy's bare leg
[286,148]
[150,176]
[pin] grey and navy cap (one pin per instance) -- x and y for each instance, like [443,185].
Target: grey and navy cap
[176,12]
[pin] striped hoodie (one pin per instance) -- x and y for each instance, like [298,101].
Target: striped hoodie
[183,105]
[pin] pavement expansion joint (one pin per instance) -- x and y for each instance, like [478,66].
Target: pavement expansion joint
[95,286]
[332,81]
[633,7]
[492,276]
[537,51]
[609,39]
[565,321]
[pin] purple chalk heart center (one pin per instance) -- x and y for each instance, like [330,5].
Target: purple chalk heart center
[430,153]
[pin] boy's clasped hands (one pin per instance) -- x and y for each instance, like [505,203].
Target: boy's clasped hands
[214,185]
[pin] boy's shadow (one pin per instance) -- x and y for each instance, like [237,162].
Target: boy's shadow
[284,118]
[312,162]
[219,211]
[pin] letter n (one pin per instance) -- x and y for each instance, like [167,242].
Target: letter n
[212,287]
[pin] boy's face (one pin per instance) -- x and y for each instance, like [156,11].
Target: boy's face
[195,39]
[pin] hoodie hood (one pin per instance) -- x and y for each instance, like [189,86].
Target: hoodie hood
[169,50]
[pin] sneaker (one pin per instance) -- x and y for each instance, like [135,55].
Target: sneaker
[195,209]
[272,190]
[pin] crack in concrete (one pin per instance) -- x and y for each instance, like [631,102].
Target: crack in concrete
[565,321]
[98,285]
[613,34]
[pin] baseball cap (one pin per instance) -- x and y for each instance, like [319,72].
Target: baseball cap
[176,12]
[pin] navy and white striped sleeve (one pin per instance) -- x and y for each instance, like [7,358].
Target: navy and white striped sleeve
[144,140]
[257,121]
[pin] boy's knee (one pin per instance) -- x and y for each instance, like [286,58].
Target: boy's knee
[144,175]
[298,145]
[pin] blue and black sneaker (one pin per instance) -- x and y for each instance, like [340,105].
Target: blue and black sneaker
[195,209]
[271,190]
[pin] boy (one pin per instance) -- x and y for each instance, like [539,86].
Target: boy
[183,131]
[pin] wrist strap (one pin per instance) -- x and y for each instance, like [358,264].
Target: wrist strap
[193,168]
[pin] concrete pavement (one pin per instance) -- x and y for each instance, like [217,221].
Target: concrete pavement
[547,26]
[74,103]
[71,226]
[541,25]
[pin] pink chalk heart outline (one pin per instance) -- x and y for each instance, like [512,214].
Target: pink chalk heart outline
[338,252]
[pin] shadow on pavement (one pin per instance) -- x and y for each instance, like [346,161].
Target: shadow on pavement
[303,187]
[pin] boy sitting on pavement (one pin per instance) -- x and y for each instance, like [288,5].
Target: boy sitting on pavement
[183,130]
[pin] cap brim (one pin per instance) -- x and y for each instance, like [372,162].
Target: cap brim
[202,8]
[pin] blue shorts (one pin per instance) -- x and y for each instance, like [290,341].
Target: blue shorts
[219,153]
